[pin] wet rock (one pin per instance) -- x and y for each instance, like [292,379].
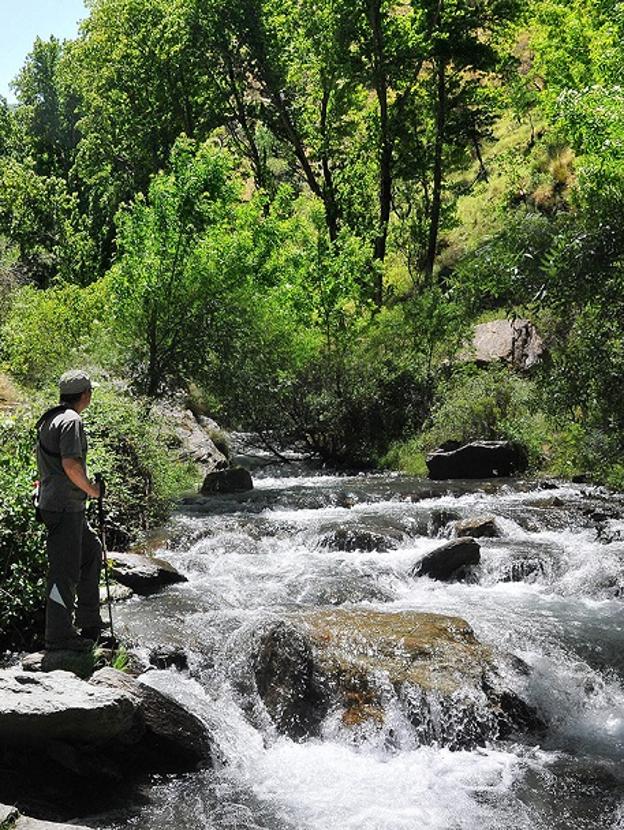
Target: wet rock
[164,657]
[287,682]
[351,539]
[480,459]
[449,561]
[170,727]
[59,706]
[144,575]
[235,480]
[439,519]
[515,342]
[118,593]
[443,679]
[478,527]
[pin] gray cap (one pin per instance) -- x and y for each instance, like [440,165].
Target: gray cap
[75,382]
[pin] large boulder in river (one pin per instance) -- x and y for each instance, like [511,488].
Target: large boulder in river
[515,342]
[350,539]
[449,562]
[353,664]
[234,480]
[479,459]
[144,575]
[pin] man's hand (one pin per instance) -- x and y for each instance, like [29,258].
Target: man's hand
[75,473]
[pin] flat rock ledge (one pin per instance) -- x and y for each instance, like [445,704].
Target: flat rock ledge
[144,575]
[69,747]
[357,666]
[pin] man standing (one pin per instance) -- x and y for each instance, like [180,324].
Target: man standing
[74,550]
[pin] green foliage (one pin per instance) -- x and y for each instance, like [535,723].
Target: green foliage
[46,332]
[22,557]
[133,450]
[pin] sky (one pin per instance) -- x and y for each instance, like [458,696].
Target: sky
[21,21]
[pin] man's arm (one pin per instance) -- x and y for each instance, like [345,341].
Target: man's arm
[75,473]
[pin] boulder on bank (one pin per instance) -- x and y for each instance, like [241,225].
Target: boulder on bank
[449,561]
[193,434]
[515,342]
[477,527]
[348,662]
[70,747]
[144,575]
[234,480]
[479,459]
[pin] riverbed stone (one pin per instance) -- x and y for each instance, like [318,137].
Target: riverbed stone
[175,730]
[449,561]
[350,539]
[310,664]
[477,527]
[80,663]
[144,575]
[234,480]
[478,459]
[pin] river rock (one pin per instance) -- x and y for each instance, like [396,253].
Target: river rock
[144,575]
[165,657]
[479,459]
[347,661]
[58,706]
[177,732]
[477,527]
[80,663]
[515,342]
[118,593]
[449,561]
[351,539]
[235,480]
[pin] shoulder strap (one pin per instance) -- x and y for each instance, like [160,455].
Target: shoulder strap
[49,414]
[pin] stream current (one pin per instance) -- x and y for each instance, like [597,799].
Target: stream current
[547,591]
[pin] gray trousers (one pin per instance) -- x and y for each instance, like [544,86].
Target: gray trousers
[74,564]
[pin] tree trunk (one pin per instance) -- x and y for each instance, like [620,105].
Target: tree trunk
[436,198]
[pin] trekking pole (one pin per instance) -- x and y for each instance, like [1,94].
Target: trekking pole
[100,480]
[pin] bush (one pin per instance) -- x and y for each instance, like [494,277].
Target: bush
[472,405]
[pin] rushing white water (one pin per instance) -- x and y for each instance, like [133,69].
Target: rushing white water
[546,591]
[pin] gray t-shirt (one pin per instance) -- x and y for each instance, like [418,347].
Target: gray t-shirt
[62,434]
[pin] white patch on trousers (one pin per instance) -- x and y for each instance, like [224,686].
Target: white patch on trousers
[55,596]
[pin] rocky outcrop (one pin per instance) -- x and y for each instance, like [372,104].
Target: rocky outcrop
[68,745]
[479,459]
[351,539]
[144,575]
[477,527]
[449,562]
[515,342]
[352,662]
[234,480]
[193,433]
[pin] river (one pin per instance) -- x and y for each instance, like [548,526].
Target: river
[546,591]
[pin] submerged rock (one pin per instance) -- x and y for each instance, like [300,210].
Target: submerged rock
[477,527]
[234,480]
[350,539]
[165,657]
[480,459]
[144,575]
[351,661]
[449,561]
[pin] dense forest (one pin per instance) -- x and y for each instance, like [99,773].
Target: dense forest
[294,213]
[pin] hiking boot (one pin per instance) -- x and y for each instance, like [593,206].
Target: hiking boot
[95,633]
[71,644]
